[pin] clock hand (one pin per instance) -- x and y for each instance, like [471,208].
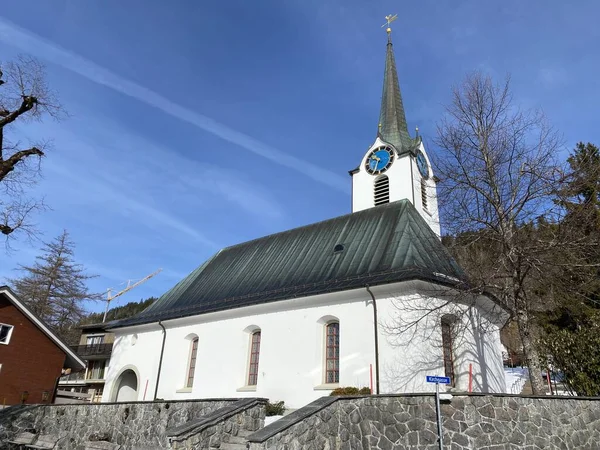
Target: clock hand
[378,159]
[374,161]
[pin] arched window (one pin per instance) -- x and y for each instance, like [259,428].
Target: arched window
[254,356]
[332,352]
[447,346]
[382,190]
[424,193]
[192,363]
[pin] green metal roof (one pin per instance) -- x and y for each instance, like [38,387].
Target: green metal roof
[392,120]
[380,245]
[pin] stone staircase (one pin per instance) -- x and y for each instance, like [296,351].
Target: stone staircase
[225,428]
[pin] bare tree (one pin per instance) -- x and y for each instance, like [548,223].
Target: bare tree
[498,176]
[24,95]
[54,286]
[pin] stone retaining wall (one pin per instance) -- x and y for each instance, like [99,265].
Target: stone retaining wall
[409,422]
[136,424]
[483,422]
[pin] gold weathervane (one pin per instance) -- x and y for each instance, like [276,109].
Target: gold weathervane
[389,19]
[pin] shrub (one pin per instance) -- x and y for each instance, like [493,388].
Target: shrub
[349,391]
[275,409]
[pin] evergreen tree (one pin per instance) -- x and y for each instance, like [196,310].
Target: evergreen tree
[570,337]
[54,287]
[580,196]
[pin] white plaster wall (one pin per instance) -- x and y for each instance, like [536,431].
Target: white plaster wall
[292,350]
[141,354]
[291,353]
[481,348]
[410,353]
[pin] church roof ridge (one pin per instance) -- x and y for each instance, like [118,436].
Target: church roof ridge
[308,225]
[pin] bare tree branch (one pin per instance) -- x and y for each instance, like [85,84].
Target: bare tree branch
[24,95]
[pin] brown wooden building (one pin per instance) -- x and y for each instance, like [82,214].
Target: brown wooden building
[31,355]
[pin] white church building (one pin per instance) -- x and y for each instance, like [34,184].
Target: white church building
[368,299]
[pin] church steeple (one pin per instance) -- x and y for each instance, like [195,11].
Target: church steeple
[392,119]
[396,166]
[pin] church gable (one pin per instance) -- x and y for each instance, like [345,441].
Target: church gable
[381,245]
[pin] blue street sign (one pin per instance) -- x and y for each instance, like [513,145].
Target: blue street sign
[442,380]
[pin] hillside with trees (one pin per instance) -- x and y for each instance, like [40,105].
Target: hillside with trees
[119,312]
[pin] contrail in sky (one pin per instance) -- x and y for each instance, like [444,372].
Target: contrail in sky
[29,42]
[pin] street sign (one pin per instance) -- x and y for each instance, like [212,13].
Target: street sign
[442,380]
[438,412]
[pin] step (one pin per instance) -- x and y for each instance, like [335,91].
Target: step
[236,439]
[228,446]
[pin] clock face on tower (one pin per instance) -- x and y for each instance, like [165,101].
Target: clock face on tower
[422,164]
[379,160]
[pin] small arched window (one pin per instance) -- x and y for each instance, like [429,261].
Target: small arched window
[447,346]
[424,193]
[254,356]
[332,352]
[381,190]
[192,363]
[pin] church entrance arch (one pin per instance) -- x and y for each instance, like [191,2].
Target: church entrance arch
[126,387]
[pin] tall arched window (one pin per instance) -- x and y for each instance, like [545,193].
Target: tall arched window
[424,193]
[192,363]
[382,190]
[447,347]
[254,356]
[332,352]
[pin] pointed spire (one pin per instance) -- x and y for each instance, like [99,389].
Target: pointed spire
[392,120]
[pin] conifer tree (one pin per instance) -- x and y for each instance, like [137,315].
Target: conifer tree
[54,286]
[570,333]
[581,194]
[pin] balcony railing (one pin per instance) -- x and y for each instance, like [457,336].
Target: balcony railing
[93,350]
[75,376]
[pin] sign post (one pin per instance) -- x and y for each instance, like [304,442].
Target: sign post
[438,413]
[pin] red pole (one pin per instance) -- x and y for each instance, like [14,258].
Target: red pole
[371,376]
[549,383]
[145,389]
[470,377]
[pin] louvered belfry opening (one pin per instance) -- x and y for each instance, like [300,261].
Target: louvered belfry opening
[424,194]
[382,190]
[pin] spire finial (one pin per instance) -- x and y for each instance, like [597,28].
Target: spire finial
[389,19]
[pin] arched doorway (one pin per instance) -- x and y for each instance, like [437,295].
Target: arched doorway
[127,387]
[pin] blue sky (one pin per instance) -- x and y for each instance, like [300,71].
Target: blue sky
[198,125]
